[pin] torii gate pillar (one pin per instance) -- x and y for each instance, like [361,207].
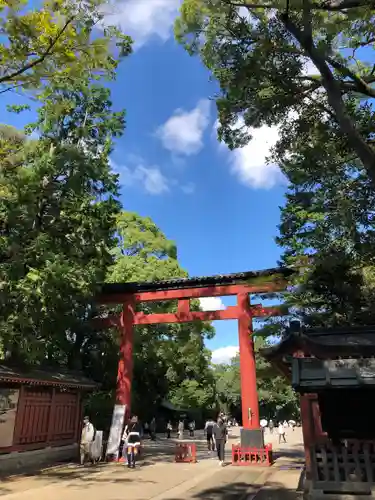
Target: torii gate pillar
[249,395]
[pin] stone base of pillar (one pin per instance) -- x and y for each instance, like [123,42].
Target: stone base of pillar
[252,438]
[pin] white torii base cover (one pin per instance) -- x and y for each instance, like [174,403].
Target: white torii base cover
[115,434]
[97,446]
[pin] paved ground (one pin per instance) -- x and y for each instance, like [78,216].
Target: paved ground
[159,478]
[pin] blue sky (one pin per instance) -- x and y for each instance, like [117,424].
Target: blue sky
[220,207]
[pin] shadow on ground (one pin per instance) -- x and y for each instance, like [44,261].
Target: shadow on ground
[158,451]
[293,454]
[72,474]
[241,491]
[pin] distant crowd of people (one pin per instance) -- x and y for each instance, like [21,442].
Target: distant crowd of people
[281,427]
[216,433]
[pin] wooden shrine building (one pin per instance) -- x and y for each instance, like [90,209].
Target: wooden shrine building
[334,373]
[40,415]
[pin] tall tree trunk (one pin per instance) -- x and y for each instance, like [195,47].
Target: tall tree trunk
[358,143]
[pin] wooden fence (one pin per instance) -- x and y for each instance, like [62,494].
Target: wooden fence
[46,417]
[347,468]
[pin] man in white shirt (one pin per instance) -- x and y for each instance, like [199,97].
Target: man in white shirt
[208,430]
[87,438]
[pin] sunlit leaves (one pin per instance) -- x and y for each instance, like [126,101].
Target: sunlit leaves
[56,41]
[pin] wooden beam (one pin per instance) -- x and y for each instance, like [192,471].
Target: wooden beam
[230,312]
[153,319]
[194,293]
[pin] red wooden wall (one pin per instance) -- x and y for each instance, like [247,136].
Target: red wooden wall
[46,416]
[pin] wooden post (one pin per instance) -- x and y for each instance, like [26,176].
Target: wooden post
[52,417]
[307,430]
[78,417]
[249,395]
[125,366]
[124,379]
[19,415]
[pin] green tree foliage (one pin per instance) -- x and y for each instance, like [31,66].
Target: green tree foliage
[309,71]
[57,221]
[276,396]
[260,55]
[56,40]
[327,225]
[170,361]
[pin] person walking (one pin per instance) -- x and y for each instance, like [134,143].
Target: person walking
[180,429]
[87,438]
[281,433]
[132,439]
[271,426]
[153,429]
[263,424]
[191,428]
[220,436]
[146,429]
[208,430]
[169,429]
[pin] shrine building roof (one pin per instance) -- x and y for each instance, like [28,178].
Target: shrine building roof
[194,282]
[324,343]
[57,377]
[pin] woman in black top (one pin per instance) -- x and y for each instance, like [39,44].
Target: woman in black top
[132,435]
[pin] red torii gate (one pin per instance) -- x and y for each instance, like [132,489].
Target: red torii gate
[182,290]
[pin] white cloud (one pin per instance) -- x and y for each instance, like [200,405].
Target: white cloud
[143,19]
[211,304]
[149,177]
[224,354]
[250,163]
[183,132]
[188,188]
[153,180]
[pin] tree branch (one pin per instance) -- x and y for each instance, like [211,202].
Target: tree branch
[361,85]
[307,20]
[334,96]
[11,76]
[328,5]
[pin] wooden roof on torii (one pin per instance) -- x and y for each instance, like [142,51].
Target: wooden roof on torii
[182,290]
[221,280]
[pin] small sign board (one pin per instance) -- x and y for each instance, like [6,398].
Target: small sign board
[115,433]
[8,410]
